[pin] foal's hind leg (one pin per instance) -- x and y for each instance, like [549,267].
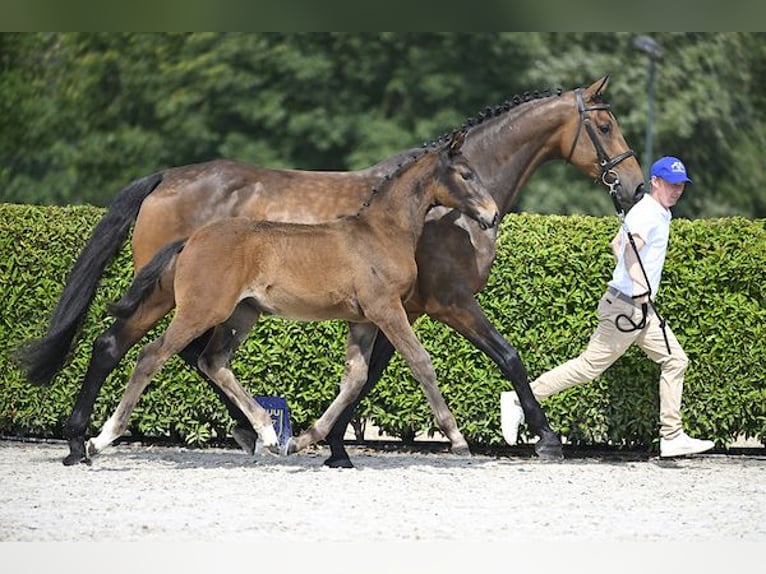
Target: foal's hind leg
[214,362]
[108,349]
[361,337]
[243,431]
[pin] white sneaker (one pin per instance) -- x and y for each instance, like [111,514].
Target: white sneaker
[683,444]
[511,416]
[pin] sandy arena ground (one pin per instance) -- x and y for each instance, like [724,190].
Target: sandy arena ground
[161,494]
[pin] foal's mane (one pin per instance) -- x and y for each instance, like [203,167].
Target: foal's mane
[406,162]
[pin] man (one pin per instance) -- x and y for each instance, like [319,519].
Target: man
[626,316]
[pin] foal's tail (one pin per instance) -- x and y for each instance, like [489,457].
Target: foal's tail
[146,280]
[41,359]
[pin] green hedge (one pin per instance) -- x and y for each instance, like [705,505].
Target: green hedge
[546,282]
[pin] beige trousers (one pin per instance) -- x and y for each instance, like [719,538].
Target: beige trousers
[607,344]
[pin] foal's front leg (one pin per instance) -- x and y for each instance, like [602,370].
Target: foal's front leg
[361,337]
[397,328]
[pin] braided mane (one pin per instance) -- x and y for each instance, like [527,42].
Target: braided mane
[493,111]
[486,114]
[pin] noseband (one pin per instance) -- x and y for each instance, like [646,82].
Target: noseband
[607,176]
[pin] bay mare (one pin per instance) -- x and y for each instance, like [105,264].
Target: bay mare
[360,269]
[504,144]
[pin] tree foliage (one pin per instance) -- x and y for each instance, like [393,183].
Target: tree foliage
[82,114]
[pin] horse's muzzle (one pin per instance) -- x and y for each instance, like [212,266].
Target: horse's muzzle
[488,224]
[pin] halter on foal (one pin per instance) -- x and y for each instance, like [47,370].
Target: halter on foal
[359,269]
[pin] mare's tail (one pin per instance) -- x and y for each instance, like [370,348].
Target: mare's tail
[41,359]
[146,280]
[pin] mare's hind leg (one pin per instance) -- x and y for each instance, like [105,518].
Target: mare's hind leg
[382,351]
[214,362]
[108,349]
[361,337]
[469,320]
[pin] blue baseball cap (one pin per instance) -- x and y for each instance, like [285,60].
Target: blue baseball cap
[671,169]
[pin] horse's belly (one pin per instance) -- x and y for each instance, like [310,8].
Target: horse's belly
[317,306]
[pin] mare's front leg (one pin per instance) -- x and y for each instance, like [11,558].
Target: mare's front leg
[361,337]
[394,323]
[469,320]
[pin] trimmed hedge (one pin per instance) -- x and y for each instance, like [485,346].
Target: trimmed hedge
[549,274]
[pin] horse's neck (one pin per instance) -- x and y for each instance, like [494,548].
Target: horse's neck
[399,207]
[506,150]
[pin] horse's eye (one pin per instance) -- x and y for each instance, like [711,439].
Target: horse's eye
[605,128]
[466,175]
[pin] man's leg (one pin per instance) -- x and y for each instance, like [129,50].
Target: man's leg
[673,440]
[672,366]
[606,345]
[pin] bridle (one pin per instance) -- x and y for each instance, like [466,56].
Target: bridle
[607,176]
[611,180]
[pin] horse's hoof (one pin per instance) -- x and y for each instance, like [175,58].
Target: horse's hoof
[550,450]
[77,453]
[339,462]
[245,438]
[288,447]
[72,459]
[90,449]
[461,450]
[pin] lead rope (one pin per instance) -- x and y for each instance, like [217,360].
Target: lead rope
[644,306]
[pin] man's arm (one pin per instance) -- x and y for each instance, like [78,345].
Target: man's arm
[616,245]
[634,270]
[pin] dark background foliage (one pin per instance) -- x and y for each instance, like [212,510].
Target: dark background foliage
[81,114]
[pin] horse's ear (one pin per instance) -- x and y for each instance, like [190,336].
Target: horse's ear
[597,88]
[456,142]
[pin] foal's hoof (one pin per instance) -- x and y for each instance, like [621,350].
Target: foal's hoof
[549,449]
[339,462]
[77,452]
[288,447]
[90,449]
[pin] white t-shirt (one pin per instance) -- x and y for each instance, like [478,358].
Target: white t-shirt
[651,222]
